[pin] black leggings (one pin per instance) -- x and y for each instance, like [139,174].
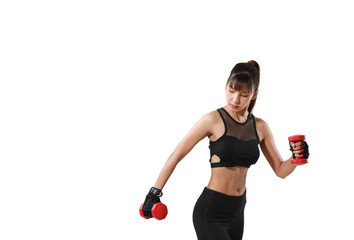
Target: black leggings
[219,216]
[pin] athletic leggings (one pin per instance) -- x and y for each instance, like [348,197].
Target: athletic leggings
[219,216]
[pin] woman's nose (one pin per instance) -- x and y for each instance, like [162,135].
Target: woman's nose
[236,98]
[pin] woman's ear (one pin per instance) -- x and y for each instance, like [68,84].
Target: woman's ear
[255,95]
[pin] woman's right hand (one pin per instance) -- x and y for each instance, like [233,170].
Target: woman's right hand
[152,198]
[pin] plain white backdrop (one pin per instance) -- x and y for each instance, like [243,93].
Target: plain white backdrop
[95,96]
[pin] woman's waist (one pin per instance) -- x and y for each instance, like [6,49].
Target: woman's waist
[219,203]
[227,190]
[228,185]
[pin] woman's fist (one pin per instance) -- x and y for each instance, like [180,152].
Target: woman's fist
[152,206]
[300,149]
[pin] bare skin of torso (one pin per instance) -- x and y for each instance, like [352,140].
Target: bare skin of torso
[227,180]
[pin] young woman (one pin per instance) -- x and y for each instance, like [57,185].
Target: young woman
[234,134]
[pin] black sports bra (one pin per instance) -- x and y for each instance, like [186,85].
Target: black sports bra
[238,146]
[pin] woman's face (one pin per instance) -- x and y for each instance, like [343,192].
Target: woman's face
[238,100]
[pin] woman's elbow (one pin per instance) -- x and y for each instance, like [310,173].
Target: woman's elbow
[177,156]
[280,174]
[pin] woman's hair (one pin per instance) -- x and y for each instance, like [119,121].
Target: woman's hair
[245,76]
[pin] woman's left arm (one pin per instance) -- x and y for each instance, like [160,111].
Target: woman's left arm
[281,168]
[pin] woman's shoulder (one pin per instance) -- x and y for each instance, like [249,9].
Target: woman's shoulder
[261,126]
[210,119]
[260,121]
[212,116]
[215,115]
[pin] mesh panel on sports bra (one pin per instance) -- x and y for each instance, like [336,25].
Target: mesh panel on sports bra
[243,131]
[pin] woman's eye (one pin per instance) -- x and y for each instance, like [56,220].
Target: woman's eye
[241,95]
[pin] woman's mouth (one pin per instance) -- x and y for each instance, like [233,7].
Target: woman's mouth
[233,106]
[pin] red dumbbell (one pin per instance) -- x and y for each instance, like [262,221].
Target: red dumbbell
[297,160]
[158,211]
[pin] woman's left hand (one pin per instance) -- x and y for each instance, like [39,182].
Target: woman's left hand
[300,149]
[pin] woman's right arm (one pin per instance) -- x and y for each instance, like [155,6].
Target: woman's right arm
[199,131]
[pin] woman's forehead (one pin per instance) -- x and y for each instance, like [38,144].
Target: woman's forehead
[238,88]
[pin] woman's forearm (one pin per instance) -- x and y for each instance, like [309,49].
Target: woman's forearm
[286,168]
[166,171]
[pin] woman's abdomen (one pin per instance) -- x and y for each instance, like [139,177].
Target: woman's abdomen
[228,180]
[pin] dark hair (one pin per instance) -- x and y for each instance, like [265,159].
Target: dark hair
[245,76]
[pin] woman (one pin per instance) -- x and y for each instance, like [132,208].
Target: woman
[234,135]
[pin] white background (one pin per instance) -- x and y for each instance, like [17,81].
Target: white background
[95,96]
